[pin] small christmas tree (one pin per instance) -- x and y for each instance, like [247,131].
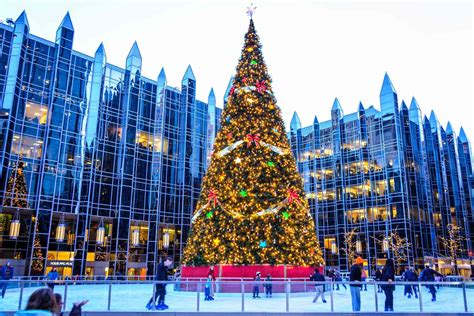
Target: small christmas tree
[17,190]
[37,264]
[252,208]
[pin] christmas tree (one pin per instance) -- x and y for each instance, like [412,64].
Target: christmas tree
[17,192]
[252,207]
[37,264]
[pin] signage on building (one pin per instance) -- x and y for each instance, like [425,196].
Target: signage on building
[60,263]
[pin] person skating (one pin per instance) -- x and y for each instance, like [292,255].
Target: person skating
[318,277]
[338,278]
[207,288]
[6,274]
[256,286]
[268,286]
[356,276]
[388,275]
[364,278]
[52,276]
[407,291]
[213,279]
[160,288]
[427,275]
[378,275]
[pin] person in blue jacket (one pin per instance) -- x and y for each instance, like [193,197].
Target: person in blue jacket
[6,274]
[52,276]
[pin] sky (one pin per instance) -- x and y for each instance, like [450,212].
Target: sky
[315,50]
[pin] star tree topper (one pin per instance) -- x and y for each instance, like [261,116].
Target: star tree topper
[251,10]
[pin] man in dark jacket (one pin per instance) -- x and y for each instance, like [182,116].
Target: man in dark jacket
[160,288]
[356,276]
[410,276]
[6,274]
[378,275]
[318,277]
[427,275]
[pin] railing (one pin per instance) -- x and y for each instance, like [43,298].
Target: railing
[288,295]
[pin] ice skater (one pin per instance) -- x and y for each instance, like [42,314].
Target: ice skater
[207,289]
[5,274]
[318,277]
[268,286]
[160,288]
[428,275]
[256,286]
[356,276]
[388,275]
[52,276]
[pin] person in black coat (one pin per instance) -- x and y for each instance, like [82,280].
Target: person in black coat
[5,274]
[160,288]
[318,277]
[378,275]
[388,275]
[427,275]
[410,276]
[356,276]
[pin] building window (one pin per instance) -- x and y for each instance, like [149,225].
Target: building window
[27,146]
[36,113]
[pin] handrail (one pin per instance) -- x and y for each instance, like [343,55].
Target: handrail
[201,283]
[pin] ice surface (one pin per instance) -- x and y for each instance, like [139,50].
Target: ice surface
[133,297]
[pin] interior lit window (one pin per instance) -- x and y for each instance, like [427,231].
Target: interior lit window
[36,113]
[146,141]
[27,146]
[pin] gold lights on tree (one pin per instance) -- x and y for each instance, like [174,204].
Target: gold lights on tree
[252,207]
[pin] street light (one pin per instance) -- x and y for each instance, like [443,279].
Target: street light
[15,226]
[333,248]
[385,244]
[61,230]
[136,237]
[358,246]
[166,240]
[100,233]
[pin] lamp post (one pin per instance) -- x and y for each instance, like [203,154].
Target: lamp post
[61,230]
[136,236]
[166,239]
[15,226]
[100,233]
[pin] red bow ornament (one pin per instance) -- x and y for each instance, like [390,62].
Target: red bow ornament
[253,138]
[232,90]
[212,198]
[293,197]
[261,87]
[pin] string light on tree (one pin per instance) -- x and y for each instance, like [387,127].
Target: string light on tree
[253,174]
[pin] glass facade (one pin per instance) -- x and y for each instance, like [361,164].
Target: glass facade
[117,157]
[381,172]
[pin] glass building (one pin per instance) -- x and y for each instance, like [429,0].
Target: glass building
[377,172]
[113,161]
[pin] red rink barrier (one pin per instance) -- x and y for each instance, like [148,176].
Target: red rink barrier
[227,273]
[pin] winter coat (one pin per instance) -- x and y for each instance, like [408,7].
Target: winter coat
[35,312]
[317,277]
[378,275]
[162,272]
[257,280]
[410,276]
[356,275]
[52,275]
[428,275]
[211,272]
[7,272]
[268,282]
[388,274]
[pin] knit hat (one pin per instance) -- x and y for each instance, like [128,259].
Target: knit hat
[258,272]
[359,260]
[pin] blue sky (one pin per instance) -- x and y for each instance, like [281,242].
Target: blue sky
[315,50]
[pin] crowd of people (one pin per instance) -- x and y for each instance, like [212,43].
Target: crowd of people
[45,302]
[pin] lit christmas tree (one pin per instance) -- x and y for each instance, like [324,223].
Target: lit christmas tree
[252,208]
[17,192]
[37,264]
